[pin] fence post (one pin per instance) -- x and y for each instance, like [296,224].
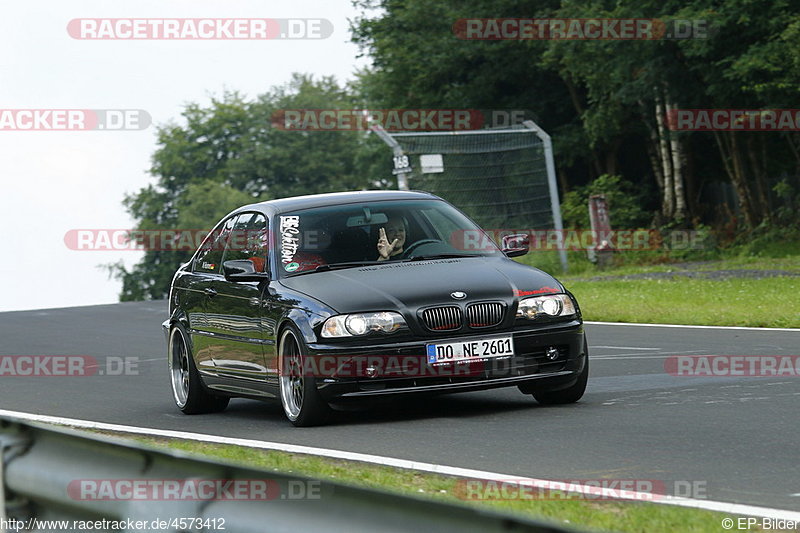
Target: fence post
[397,150]
[555,204]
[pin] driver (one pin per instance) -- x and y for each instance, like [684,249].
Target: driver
[391,238]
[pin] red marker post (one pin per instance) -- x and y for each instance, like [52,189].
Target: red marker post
[603,250]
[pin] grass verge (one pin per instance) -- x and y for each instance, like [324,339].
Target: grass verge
[633,517]
[696,293]
[770,302]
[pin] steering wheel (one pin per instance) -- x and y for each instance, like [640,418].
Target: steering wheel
[407,252]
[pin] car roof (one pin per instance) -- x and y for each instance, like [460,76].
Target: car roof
[294,203]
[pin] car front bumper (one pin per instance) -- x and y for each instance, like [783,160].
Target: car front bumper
[401,368]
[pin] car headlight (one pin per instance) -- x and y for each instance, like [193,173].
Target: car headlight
[551,305]
[362,323]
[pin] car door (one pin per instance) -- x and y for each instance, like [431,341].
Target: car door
[239,336]
[200,294]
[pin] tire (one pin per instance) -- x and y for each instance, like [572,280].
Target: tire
[570,394]
[300,399]
[188,391]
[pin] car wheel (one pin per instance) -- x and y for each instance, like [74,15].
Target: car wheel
[570,394]
[299,396]
[187,390]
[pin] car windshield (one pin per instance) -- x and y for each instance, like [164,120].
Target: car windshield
[349,235]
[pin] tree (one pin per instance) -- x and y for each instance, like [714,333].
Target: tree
[228,154]
[605,101]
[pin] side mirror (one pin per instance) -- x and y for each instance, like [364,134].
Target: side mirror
[516,245]
[242,270]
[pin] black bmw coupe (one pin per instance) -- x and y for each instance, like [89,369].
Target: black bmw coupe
[326,299]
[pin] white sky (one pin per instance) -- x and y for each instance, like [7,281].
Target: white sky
[56,181]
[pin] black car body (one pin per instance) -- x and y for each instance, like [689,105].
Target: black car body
[288,299]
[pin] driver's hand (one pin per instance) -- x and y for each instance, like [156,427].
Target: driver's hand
[385,248]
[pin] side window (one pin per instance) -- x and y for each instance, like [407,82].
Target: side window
[209,258]
[249,240]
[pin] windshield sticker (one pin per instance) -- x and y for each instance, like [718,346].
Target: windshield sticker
[289,228]
[291,267]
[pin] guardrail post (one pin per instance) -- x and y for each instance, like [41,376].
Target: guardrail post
[13,442]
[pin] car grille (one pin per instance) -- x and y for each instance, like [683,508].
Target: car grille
[446,318]
[484,315]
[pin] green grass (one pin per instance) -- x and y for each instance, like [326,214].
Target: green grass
[635,262]
[633,517]
[765,302]
[770,302]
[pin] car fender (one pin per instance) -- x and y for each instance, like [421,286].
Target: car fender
[178,316]
[304,321]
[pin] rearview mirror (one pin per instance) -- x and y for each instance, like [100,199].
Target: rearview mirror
[516,245]
[242,270]
[361,220]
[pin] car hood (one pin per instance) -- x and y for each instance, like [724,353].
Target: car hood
[415,284]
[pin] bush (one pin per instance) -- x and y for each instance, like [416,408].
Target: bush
[624,204]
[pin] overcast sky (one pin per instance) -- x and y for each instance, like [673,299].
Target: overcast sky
[53,182]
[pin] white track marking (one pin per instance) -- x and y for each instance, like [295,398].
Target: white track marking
[621,358]
[644,355]
[687,326]
[709,505]
[624,347]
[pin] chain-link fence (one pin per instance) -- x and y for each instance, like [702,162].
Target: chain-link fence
[503,179]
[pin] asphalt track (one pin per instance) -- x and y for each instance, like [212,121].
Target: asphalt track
[735,439]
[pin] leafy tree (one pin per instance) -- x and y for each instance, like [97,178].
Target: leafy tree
[605,101]
[200,206]
[229,154]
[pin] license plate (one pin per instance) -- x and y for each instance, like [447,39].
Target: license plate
[470,350]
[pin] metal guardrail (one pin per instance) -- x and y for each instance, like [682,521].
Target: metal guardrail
[42,467]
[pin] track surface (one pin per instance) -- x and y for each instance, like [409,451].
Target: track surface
[737,438]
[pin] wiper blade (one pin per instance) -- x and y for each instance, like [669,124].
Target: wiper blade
[351,264]
[333,266]
[439,256]
[354,264]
